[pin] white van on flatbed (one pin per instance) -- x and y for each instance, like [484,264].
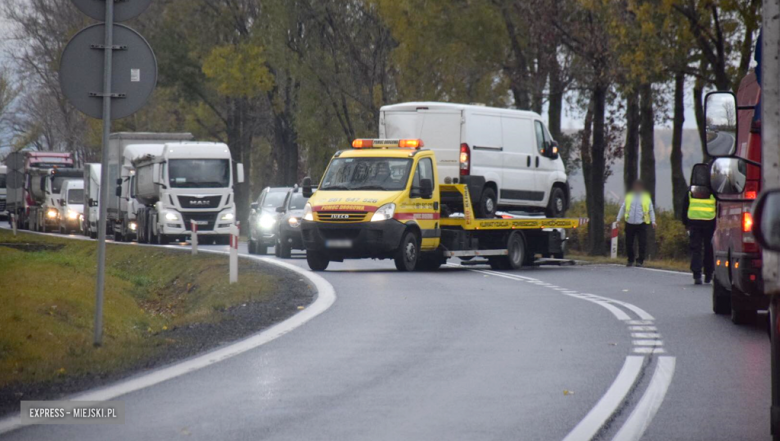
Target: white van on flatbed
[506,157]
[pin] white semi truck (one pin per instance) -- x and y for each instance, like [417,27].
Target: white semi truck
[188,182]
[123,150]
[89,221]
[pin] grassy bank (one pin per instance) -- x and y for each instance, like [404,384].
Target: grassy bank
[665,264]
[155,302]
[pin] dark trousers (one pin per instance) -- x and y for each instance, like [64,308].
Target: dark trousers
[701,243]
[639,232]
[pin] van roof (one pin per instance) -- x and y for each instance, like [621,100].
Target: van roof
[433,105]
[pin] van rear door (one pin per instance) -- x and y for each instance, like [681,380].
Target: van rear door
[439,129]
[519,163]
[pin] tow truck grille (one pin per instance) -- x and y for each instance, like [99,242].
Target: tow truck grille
[340,216]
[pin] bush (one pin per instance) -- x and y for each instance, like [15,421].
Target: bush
[670,242]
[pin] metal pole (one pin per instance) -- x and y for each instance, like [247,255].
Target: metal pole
[101,270]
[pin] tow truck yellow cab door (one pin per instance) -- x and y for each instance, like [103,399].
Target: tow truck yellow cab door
[424,208]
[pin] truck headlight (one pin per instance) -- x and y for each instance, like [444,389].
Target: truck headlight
[51,214]
[307,214]
[227,217]
[266,222]
[385,212]
[72,215]
[133,226]
[171,216]
[293,222]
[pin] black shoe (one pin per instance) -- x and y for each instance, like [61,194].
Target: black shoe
[707,279]
[639,265]
[629,264]
[697,281]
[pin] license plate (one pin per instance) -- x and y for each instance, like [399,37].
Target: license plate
[338,243]
[200,222]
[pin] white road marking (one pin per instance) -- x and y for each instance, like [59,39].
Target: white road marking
[326,296]
[648,405]
[642,328]
[640,322]
[647,343]
[649,350]
[645,335]
[603,410]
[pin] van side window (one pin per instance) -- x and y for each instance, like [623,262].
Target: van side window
[541,142]
[424,171]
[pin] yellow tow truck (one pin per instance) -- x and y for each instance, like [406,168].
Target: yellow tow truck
[382,199]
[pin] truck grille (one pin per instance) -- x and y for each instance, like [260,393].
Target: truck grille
[204,202]
[208,218]
[340,216]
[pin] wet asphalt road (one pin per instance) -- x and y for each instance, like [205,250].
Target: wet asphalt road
[466,354]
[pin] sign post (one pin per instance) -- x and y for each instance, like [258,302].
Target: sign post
[194,238]
[234,253]
[614,244]
[13,222]
[127,79]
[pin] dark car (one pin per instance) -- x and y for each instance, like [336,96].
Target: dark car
[288,232]
[264,217]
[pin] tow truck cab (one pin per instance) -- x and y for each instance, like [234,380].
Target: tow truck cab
[383,199]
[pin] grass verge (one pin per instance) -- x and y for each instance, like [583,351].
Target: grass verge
[159,305]
[665,264]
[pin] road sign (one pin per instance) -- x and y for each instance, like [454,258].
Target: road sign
[123,10]
[134,73]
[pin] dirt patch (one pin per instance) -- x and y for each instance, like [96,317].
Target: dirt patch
[33,247]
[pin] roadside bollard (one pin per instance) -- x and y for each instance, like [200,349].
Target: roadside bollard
[13,223]
[234,254]
[194,238]
[614,249]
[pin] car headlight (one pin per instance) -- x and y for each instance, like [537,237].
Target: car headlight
[266,222]
[293,222]
[51,214]
[72,215]
[227,217]
[307,214]
[171,216]
[385,212]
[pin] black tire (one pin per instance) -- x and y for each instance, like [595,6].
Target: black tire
[261,249]
[515,246]
[252,247]
[487,204]
[284,248]
[556,207]
[743,316]
[317,260]
[721,298]
[408,252]
[163,239]
[498,262]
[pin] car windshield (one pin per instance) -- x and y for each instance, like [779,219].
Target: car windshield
[297,201]
[385,174]
[76,196]
[199,173]
[274,199]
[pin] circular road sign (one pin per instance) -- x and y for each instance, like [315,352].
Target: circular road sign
[123,10]
[134,74]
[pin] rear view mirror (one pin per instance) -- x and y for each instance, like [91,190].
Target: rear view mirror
[119,181]
[280,209]
[766,213]
[306,185]
[118,191]
[554,150]
[254,205]
[728,176]
[720,110]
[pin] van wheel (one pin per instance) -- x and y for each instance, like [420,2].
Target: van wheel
[407,254]
[488,202]
[556,207]
[721,298]
[317,260]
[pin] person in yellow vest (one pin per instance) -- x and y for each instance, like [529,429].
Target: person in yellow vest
[638,212]
[699,210]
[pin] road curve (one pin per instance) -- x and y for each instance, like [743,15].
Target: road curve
[465,354]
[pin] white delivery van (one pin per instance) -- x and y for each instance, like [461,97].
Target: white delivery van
[506,157]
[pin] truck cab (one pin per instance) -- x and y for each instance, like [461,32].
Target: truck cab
[71,206]
[53,186]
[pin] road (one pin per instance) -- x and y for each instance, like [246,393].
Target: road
[467,354]
[722,144]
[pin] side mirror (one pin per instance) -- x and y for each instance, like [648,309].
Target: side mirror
[119,181]
[720,111]
[92,202]
[728,176]
[62,202]
[239,173]
[306,185]
[426,188]
[554,150]
[118,191]
[254,205]
[766,215]
[280,209]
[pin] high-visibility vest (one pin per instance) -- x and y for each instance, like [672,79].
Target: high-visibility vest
[646,201]
[701,209]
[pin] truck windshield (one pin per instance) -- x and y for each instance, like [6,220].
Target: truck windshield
[384,174]
[75,196]
[199,173]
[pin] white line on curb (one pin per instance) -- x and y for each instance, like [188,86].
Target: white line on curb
[648,405]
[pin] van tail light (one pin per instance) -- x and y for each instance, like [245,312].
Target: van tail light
[465,160]
[751,189]
[747,222]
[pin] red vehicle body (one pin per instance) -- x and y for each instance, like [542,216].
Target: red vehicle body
[737,255]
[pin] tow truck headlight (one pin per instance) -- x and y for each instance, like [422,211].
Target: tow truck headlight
[293,222]
[307,214]
[385,212]
[72,215]
[171,216]
[51,214]
[228,217]
[266,222]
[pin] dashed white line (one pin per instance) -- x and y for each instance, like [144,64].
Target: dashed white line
[647,343]
[642,328]
[645,335]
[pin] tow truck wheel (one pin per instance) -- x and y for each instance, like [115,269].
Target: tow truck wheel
[516,252]
[317,260]
[407,254]
[721,298]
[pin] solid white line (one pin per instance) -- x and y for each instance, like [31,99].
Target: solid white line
[647,343]
[603,410]
[617,312]
[644,315]
[640,322]
[648,405]
[326,296]
[649,350]
[642,328]
[645,335]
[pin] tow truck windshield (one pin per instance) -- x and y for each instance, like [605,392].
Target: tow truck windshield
[199,173]
[383,174]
